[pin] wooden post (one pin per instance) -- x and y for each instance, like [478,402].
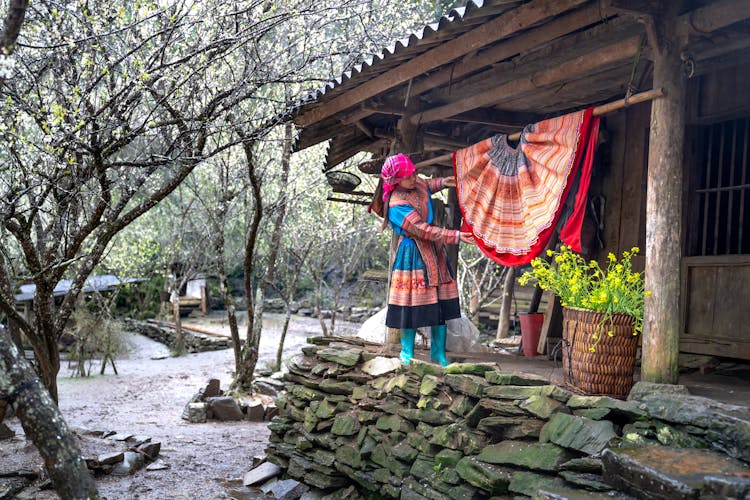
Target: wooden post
[661,325]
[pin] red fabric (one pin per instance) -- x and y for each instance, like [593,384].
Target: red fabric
[570,234]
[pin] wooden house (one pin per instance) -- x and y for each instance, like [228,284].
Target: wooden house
[674,177]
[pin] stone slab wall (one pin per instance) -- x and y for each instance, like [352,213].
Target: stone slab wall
[351,418]
[194,342]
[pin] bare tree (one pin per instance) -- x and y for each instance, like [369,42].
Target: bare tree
[478,279]
[101,128]
[287,294]
[37,411]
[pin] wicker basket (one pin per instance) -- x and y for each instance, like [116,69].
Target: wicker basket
[609,370]
[372,167]
[342,182]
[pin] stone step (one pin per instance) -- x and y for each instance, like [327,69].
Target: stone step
[669,473]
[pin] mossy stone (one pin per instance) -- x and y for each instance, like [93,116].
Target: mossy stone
[578,433]
[423,467]
[469,368]
[461,405]
[429,385]
[326,409]
[458,437]
[516,391]
[426,415]
[381,475]
[344,388]
[498,378]
[393,423]
[545,456]
[470,385]
[543,407]
[428,403]
[493,479]
[345,424]
[404,452]
[341,356]
[349,455]
[448,457]
[420,368]
[528,483]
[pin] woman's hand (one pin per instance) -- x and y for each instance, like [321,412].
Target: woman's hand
[449,182]
[466,237]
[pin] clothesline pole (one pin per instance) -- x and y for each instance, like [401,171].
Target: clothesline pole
[599,110]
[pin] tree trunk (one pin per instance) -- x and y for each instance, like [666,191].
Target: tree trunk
[47,360]
[249,356]
[284,329]
[255,311]
[44,424]
[503,326]
[179,341]
[664,206]
[318,302]
[226,297]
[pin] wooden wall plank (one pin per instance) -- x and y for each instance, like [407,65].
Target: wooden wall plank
[609,182]
[632,222]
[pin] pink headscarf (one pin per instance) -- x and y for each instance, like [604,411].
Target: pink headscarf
[395,169]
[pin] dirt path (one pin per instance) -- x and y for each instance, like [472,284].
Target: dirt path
[147,398]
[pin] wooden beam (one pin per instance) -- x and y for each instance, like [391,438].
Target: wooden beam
[364,128]
[443,141]
[599,110]
[648,7]
[438,160]
[496,29]
[516,45]
[496,118]
[575,68]
[661,321]
[384,110]
[712,17]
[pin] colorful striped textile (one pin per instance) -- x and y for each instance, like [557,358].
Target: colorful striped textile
[511,198]
[423,290]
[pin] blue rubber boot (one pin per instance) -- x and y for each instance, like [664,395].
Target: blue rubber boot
[407,345]
[437,344]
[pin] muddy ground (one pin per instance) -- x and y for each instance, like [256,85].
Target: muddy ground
[205,461]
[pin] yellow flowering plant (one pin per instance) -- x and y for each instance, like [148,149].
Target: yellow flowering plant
[585,285]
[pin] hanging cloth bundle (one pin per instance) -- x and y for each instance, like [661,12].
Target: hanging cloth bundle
[511,198]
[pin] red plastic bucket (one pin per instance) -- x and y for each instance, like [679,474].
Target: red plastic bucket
[531,328]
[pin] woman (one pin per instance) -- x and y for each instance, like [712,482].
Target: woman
[423,289]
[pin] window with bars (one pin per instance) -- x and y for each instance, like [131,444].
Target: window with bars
[722,191]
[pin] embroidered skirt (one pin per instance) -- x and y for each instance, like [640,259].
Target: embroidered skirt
[412,301]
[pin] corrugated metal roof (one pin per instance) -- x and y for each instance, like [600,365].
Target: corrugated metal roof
[99,283]
[412,44]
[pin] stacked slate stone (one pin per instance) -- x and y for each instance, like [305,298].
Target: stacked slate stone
[194,341]
[353,418]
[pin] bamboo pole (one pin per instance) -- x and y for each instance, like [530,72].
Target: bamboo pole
[599,110]
[347,200]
